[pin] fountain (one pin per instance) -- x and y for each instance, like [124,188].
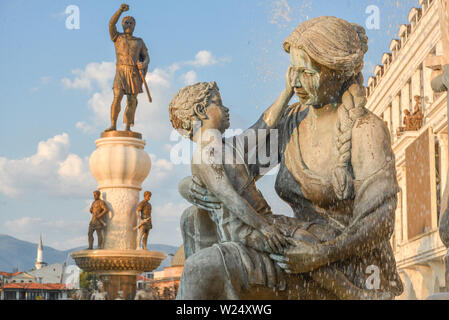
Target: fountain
[120,165]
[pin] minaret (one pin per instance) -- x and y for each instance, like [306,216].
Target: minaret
[39,259]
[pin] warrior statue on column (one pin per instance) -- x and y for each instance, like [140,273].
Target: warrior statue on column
[132,65]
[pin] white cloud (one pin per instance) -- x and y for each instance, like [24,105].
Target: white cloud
[84,127]
[164,219]
[203,58]
[94,73]
[51,169]
[170,211]
[152,119]
[161,169]
[190,78]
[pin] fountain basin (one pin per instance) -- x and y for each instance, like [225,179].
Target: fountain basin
[118,261]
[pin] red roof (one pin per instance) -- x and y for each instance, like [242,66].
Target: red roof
[8,274]
[35,286]
[142,278]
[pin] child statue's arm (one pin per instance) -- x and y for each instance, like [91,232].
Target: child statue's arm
[212,174]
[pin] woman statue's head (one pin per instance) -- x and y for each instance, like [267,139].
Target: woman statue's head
[326,55]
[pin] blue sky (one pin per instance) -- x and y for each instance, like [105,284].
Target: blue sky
[56,92]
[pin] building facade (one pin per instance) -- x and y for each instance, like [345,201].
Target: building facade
[34,291]
[400,93]
[46,282]
[167,281]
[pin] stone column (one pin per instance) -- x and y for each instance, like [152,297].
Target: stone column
[120,165]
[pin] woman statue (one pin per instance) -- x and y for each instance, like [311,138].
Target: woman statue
[337,172]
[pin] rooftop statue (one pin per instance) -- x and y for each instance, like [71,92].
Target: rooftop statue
[337,172]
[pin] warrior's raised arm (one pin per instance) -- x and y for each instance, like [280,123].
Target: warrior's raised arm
[112,23]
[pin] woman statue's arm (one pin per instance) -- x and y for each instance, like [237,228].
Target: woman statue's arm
[260,144]
[271,116]
[374,205]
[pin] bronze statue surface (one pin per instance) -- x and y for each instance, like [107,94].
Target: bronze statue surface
[144,224]
[121,134]
[131,67]
[337,172]
[98,210]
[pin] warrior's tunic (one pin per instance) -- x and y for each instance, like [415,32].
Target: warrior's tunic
[129,50]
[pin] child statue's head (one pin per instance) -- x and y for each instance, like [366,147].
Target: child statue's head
[196,106]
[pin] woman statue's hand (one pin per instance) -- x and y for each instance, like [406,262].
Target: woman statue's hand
[288,81]
[274,240]
[192,190]
[301,257]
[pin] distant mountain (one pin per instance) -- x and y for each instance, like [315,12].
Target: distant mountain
[15,253]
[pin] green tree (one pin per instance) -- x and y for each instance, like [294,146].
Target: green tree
[87,280]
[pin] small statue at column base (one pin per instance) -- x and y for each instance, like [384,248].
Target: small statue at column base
[144,225]
[98,209]
[119,295]
[99,294]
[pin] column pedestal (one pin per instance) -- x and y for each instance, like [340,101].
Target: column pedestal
[120,165]
[116,283]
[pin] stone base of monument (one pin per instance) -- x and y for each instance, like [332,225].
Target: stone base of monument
[120,165]
[118,269]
